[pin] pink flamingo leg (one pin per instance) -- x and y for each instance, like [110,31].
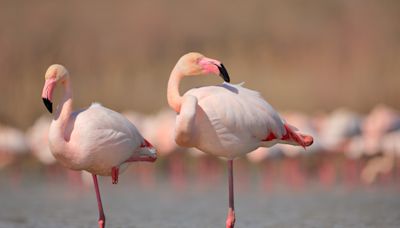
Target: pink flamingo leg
[114,175]
[230,220]
[102,217]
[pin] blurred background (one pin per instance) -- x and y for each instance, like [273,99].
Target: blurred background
[330,67]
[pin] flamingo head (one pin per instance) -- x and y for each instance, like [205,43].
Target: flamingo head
[195,63]
[54,74]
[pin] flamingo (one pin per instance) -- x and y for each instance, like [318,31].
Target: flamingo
[96,139]
[338,127]
[380,121]
[378,138]
[13,147]
[225,120]
[38,140]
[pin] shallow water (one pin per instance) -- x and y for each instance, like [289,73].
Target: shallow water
[35,202]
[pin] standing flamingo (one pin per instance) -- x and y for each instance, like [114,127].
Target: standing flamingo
[224,120]
[95,139]
[13,145]
[37,136]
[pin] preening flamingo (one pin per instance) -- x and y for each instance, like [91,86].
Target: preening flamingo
[225,120]
[96,139]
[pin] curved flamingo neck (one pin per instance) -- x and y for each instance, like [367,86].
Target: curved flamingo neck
[63,112]
[173,96]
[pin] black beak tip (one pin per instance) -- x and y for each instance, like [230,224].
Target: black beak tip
[224,73]
[48,104]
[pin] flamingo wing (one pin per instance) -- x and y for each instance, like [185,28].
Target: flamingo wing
[104,135]
[239,110]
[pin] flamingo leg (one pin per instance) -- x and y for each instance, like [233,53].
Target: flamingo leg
[102,217]
[230,220]
[114,175]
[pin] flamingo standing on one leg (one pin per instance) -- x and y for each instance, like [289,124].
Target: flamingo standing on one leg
[225,120]
[95,139]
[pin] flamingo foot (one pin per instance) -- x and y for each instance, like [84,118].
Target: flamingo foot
[230,220]
[102,222]
[114,176]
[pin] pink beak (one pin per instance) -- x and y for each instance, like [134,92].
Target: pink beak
[47,94]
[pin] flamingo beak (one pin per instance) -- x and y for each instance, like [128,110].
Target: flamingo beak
[48,104]
[223,73]
[215,67]
[47,94]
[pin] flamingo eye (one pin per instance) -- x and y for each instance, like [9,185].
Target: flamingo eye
[54,75]
[197,61]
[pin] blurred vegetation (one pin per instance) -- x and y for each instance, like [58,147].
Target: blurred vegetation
[305,55]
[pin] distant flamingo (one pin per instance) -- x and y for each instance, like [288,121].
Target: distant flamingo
[13,147]
[95,139]
[380,121]
[38,140]
[378,139]
[337,128]
[225,120]
[13,144]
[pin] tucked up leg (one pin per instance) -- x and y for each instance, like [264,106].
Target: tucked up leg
[114,175]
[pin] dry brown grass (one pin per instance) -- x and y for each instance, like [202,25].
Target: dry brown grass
[307,55]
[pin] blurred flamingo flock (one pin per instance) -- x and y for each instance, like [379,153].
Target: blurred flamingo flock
[350,149]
